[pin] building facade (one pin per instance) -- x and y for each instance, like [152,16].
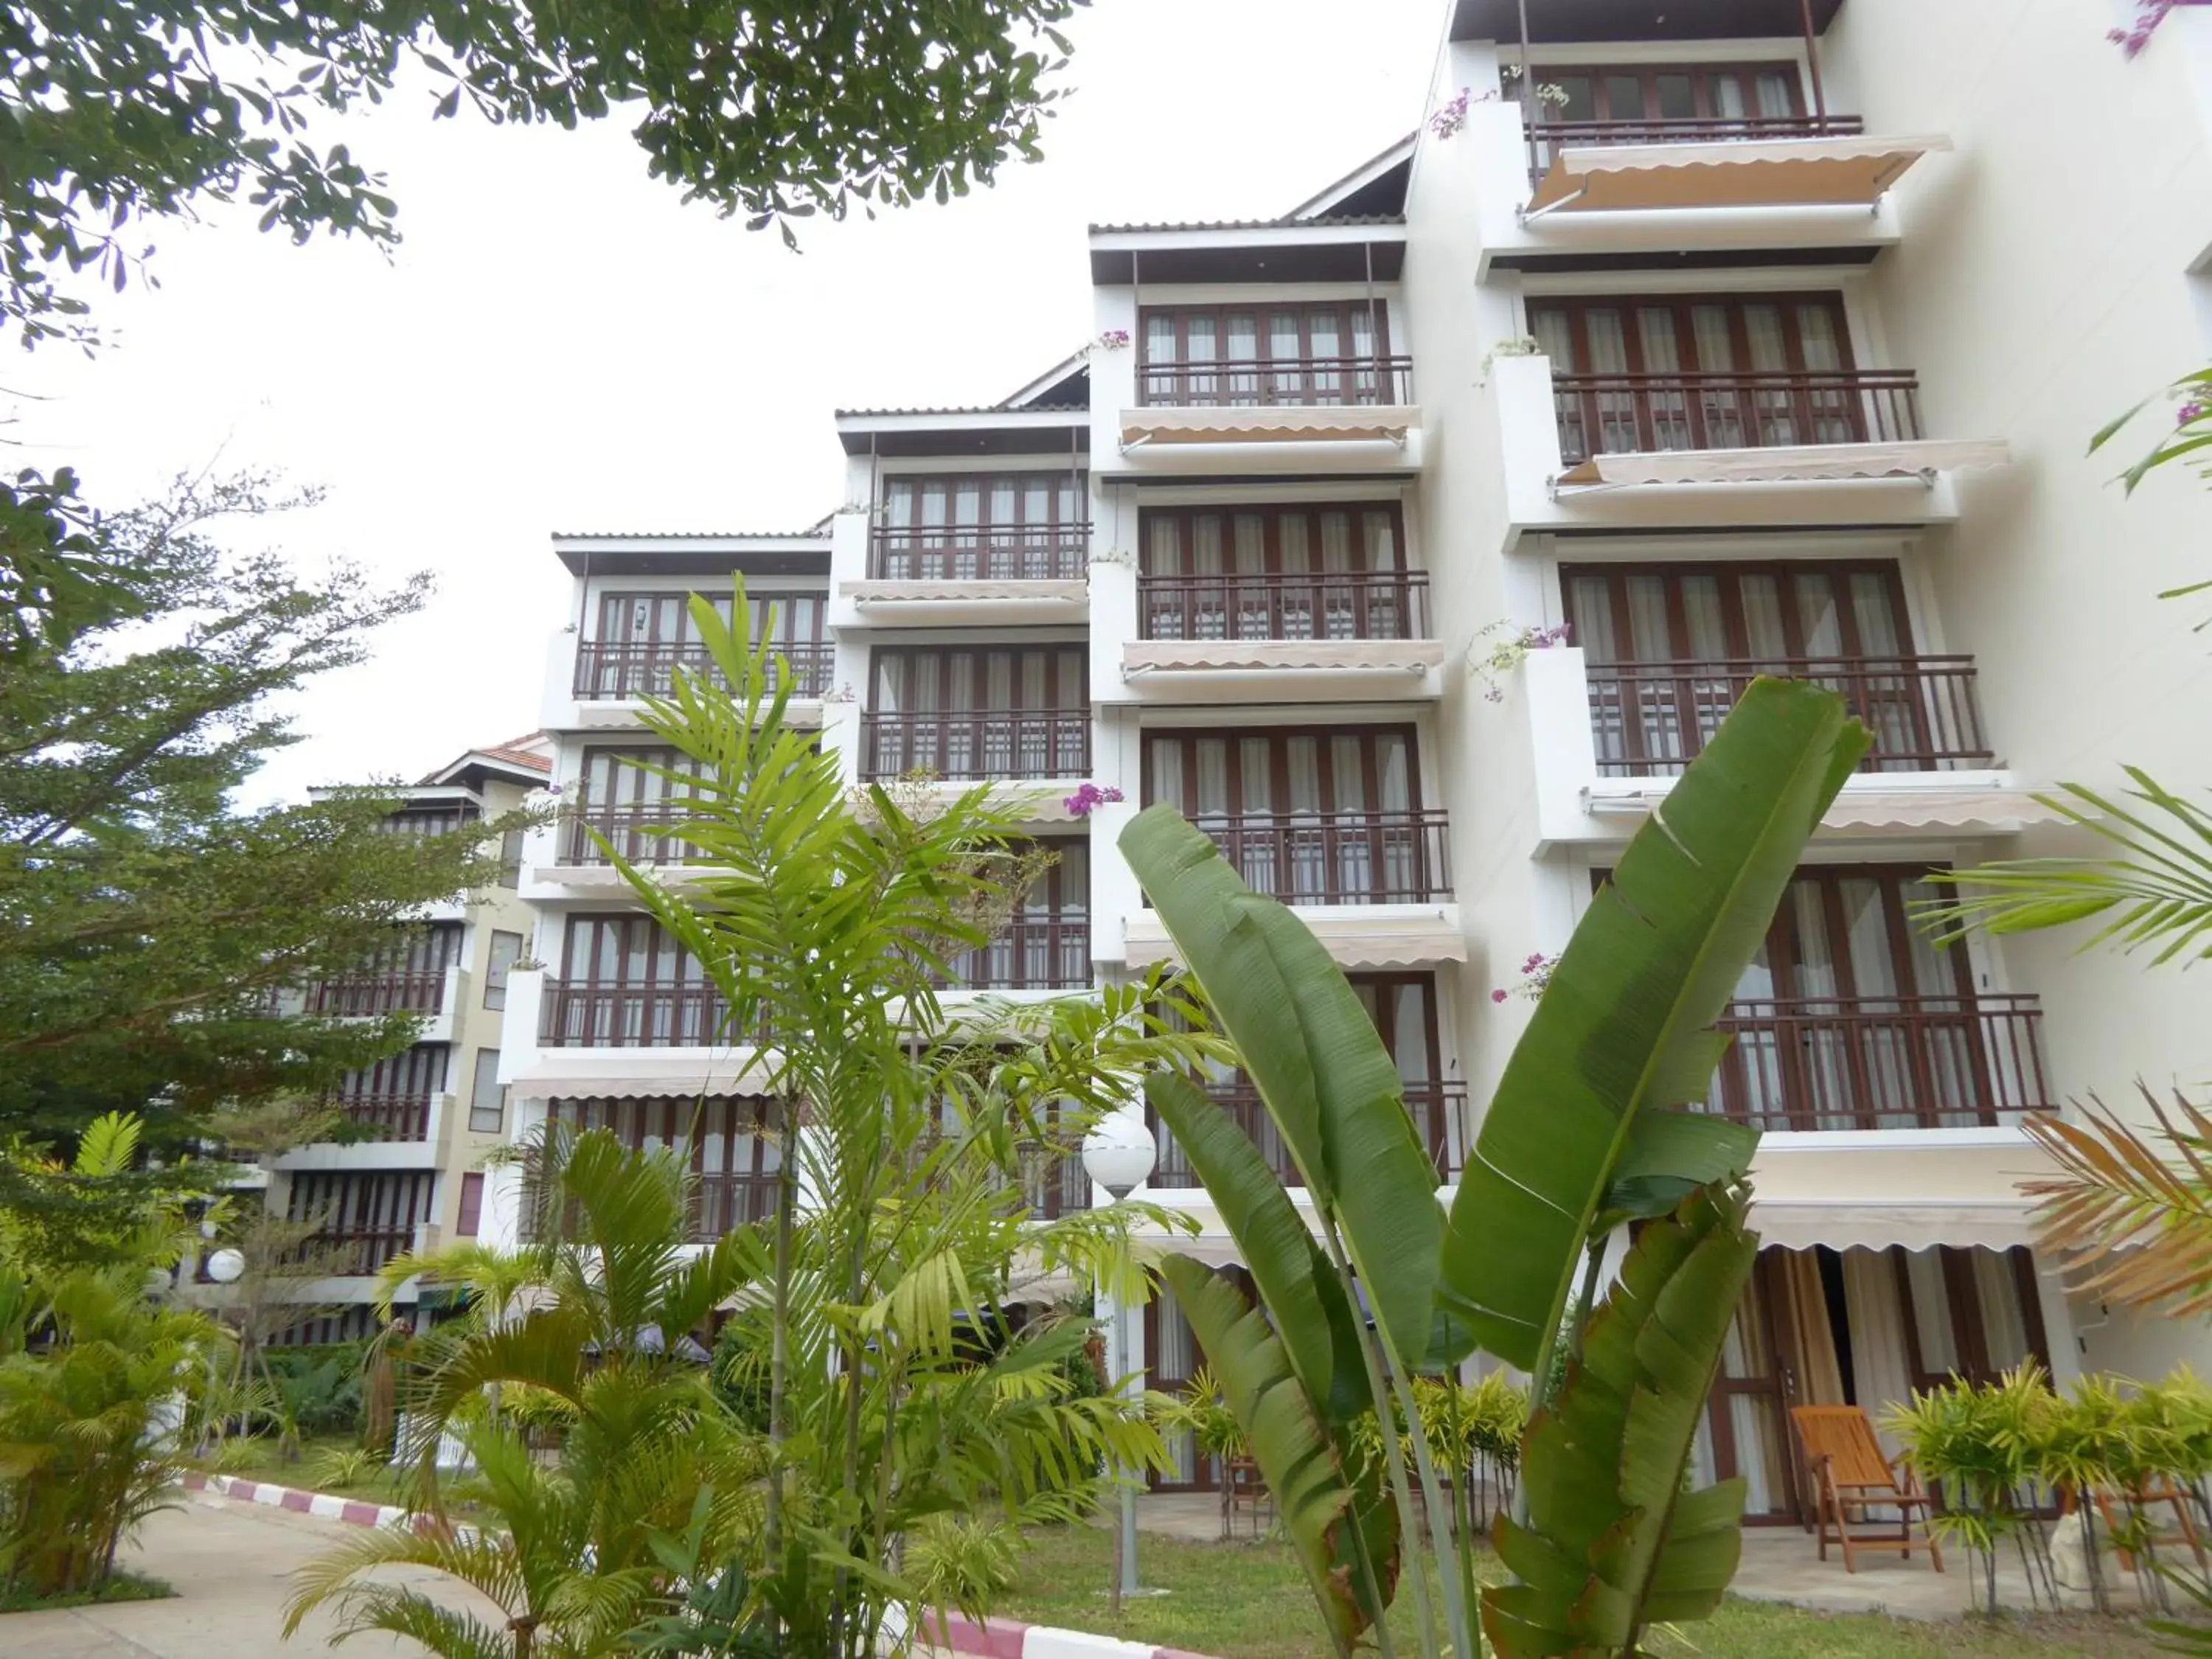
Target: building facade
[426,1116]
[1411,542]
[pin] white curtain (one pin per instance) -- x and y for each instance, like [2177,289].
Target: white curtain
[1879,1376]
[2003,1328]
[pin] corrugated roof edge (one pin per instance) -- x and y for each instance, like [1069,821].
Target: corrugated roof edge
[819,532]
[1284,223]
[972,409]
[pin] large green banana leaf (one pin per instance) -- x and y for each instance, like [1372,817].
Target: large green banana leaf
[1328,1514]
[1305,1302]
[1313,1054]
[1626,1022]
[1612,1543]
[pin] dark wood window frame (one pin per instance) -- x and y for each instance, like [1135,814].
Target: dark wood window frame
[1576,307]
[742,1189]
[657,995]
[393,1096]
[1278,763]
[621,659]
[1015,546]
[1604,79]
[1353,375]
[374,1212]
[1366,600]
[1021,739]
[1046,942]
[1924,711]
[1969,1319]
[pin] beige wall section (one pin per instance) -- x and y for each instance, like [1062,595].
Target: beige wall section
[2042,286]
[492,909]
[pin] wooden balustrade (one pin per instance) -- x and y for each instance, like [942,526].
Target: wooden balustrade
[1002,744]
[1337,604]
[605,669]
[1338,858]
[1644,414]
[968,553]
[1269,382]
[1438,1111]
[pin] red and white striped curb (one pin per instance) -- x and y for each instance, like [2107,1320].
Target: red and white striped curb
[1004,1639]
[329,1505]
[994,1638]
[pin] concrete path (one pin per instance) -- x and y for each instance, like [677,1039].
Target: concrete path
[231,1564]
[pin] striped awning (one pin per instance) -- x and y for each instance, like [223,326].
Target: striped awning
[1786,463]
[1726,172]
[1223,656]
[1274,424]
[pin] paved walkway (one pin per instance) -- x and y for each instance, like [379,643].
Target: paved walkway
[231,1564]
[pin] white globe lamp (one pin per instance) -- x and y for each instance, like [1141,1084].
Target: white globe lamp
[1120,1152]
[224,1266]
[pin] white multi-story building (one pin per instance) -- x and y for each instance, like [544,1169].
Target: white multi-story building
[1695,341]
[426,1116]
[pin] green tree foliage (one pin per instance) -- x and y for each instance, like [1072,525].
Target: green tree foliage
[914,1135]
[92,1371]
[146,925]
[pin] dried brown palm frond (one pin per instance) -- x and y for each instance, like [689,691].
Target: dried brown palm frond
[2129,1212]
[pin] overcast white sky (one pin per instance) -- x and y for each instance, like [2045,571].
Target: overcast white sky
[560,344]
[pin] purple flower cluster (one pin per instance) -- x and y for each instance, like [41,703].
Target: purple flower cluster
[1539,639]
[1451,117]
[1535,974]
[2188,412]
[1115,338]
[2149,13]
[1089,799]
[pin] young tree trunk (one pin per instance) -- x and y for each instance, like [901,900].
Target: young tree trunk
[779,1363]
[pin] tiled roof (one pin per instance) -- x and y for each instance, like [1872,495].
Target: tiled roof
[1285,223]
[513,751]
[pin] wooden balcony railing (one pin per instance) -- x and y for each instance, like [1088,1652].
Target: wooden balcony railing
[629,827]
[1038,743]
[1338,858]
[635,1017]
[948,553]
[608,671]
[388,1116]
[1265,382]
[1881,1062]
[1035,953]
[361,1251]
[1644,414]
[1363,605]
[1547,138]
[360,995]
[1054,1183]
[1438,1111]
[1652,719]
[721,1203]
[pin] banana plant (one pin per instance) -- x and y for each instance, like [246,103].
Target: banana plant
[1581,1137]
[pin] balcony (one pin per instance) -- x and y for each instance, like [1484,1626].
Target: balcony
[361,996]
[631,828]
[360,1252]
[1033,954]
[1607,740]
[608,671]
[1012,745]
[1650,719]
[691,1015]
[1828,1064]
[1339,858]
[1288,627]
[1649,452]
[401,1117]
[1002,553]
[1309,399]
[1438,1111]
[1654,414]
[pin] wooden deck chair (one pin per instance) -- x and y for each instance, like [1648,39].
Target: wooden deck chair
[1243,1490]
[1851,1476]
[2111,1512]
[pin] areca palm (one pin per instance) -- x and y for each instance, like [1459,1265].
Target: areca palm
[828,918]
[602,1285]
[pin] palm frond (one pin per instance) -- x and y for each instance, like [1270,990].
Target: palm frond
[2156,892]
[2129,1212]
[411,1615]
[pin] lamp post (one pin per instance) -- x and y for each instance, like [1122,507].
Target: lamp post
[1119,1155]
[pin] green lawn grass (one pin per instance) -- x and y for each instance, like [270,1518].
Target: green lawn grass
[266,1463]
[1249,1601]
[120,1587]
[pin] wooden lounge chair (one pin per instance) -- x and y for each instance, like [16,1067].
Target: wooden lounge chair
[2113,1513]
[1851,1476]
[1243,1490]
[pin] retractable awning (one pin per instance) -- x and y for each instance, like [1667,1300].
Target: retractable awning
[1786,463]
[1974,811]
[1280,424]
[1420,941]
[1729,172]
[1203,656]
[1843,1225]
[924,593]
